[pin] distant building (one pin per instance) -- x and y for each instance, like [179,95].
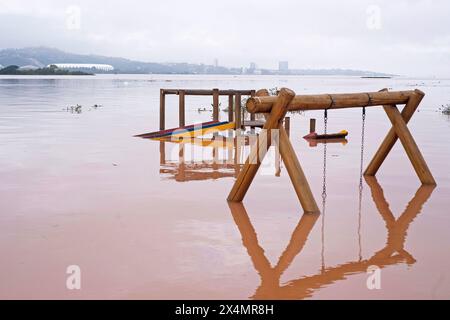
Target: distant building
[251,69]
[283,66]
[83,66]
[25,68]
[216,63]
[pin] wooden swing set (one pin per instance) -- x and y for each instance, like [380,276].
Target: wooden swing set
[275,109]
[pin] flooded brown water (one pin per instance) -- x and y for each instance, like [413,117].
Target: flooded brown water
[78,189]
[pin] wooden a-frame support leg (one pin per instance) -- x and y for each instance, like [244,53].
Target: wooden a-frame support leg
[410,146]
[295,171]
[392,137]
[252,164]
[296,174]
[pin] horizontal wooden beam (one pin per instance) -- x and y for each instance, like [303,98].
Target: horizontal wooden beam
[332,101]
[201,92]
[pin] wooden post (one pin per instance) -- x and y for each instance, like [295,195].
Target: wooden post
[262,93]
[296,174]
[312,125]
[237,111]
[391,138]
[411,148]
[230,108]
[253,163]
[287,126]
[216,110]
[162,110]
[252,115]
[182,112]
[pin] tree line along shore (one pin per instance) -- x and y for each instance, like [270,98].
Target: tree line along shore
[47,71]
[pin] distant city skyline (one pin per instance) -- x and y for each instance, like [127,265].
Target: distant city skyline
[41,57]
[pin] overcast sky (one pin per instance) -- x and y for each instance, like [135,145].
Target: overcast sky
[403,37]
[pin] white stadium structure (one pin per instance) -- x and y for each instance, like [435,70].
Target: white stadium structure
[78,66]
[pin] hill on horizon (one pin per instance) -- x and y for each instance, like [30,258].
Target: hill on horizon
[43,56]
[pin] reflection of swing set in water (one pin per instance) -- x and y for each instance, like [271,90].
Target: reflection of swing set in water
[233,151]
[183,171]
[393,253]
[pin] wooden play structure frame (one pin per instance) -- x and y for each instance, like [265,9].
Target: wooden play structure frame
[276,107]
[234,105]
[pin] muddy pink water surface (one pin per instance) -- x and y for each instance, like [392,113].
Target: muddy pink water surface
[78,189]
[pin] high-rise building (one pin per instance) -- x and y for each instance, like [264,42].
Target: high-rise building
[283,66]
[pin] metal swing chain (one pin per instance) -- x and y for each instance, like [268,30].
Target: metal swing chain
[324,190]
[361,185]
[362,147]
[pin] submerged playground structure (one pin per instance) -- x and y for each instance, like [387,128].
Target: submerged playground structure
[274,110]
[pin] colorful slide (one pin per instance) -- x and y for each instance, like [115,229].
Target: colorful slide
[195,130]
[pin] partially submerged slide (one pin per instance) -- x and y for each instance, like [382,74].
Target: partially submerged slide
[195,130]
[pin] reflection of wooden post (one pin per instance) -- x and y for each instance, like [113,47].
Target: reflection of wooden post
[252,164]
[277,160]
[162,110]
[162,153]
[230,149]
[411,148]
[216,104]
[181,158]
[181,164]
[230,108]
[270,275]
[215,158]
[391,138]
[182,96]
[312,125]
[237,111]
[238,152]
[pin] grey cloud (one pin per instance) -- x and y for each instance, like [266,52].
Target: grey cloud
[315,34]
